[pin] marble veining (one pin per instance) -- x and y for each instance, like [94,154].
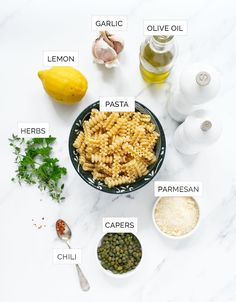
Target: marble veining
[201,268]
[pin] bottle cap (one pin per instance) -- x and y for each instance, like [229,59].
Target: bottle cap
[203,78]
[206,125]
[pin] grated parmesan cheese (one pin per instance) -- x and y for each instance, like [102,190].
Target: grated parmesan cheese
[176,216]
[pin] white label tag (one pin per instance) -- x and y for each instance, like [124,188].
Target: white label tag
[67,256]
[30,130]
[113,23]
[60,58]
[178,188]
[120,225]
[117,104]
[155,27]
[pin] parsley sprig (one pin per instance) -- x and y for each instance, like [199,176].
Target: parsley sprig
[36,166]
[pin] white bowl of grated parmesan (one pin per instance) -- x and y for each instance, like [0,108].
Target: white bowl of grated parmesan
[176,217]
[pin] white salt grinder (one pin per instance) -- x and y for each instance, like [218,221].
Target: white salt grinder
[199,130]
[198,84]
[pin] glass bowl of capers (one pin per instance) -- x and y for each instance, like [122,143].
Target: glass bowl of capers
[119,254]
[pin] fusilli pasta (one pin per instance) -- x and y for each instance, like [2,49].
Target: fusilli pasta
[117,148]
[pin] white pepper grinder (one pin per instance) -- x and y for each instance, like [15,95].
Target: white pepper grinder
[199,130]
[198,84]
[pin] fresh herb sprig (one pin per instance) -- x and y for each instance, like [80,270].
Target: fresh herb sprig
[36,166]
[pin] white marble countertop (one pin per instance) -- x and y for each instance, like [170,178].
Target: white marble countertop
[199,269]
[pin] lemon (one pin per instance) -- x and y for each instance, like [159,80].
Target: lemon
[64,84]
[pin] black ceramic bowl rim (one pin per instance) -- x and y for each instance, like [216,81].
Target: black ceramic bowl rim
[160,150]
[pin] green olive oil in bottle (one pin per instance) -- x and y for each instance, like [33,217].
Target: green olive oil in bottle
[157,56]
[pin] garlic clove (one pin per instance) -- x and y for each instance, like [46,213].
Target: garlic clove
[112,64]
[117,42]
[98,61]
[95,59]
[103,52]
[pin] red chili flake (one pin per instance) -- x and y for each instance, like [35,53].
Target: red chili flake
[60,226]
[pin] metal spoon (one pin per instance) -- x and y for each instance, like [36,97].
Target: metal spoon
[66,236]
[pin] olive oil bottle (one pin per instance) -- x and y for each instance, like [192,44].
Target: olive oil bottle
[157,56]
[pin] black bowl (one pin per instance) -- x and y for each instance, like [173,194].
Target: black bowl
[99,185]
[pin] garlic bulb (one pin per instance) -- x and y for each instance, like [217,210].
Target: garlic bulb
[106,48]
